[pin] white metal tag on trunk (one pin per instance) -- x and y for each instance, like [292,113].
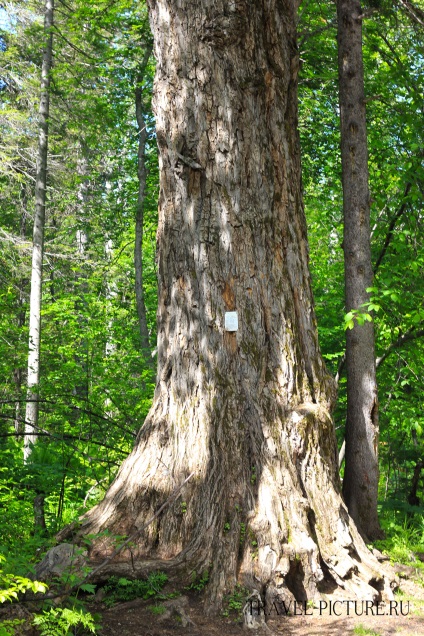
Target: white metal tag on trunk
[231,321]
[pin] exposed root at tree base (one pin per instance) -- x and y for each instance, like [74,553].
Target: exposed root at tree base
[139,617]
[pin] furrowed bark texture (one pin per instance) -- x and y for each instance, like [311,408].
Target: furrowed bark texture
[31,414]
[247,412]
[360,484]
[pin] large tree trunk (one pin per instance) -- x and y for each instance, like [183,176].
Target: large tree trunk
[247,411]
[360,483]
[31,414]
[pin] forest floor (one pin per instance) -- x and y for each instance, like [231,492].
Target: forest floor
[185,615]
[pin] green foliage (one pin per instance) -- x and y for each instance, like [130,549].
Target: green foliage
[52,621]
[157,610]
[234,602]
[393,61]
[242,533]
[96,386]
[62,620]
[122,589]
[12,585]
[8,627]
[404,536]
[358,316]
[360,630]
[199,581]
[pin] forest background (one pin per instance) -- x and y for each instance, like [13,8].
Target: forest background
[97,356]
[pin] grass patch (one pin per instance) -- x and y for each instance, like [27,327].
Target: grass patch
[360,630]
[157,610]
[404,542]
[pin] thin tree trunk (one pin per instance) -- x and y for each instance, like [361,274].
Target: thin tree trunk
[413,498]
[81,388]
[111,292]
[39,514]
[245,411]
[139,215]
[31,414]
[19,372]
[342,453]
[110,345]
[360,484]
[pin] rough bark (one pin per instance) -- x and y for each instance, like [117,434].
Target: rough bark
[139,214]
[39,514]
[31,414]
[360,483]
[247,412]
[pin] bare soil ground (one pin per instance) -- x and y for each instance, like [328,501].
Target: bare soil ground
[185,616]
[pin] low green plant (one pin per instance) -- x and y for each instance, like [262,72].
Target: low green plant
[57,621]
[8,627]
[242,533]
[199,581]
[360,630]
[234,602]
[12,585]
[253,543]
[157,610]
[403,539]
[122,589]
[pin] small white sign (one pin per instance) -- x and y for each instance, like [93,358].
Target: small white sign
[231,321]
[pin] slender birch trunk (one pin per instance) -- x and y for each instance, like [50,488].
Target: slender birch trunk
[19,372]
[31,414]
[111,292]
[360,484]
[81,387]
